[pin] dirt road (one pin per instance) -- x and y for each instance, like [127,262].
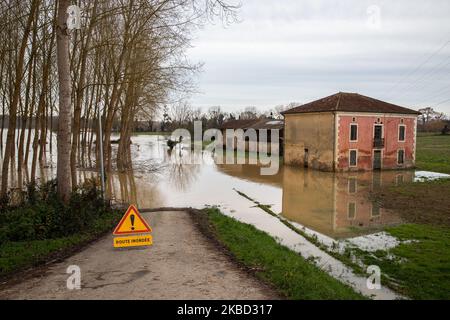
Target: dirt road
[182,264]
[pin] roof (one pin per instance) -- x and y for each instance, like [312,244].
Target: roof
[257,124]
[268,124]
[350,102]
[238,124]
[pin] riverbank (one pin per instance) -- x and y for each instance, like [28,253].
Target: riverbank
[287,271]
[43,230]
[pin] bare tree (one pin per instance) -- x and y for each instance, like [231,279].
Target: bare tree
[127,61]
[65,109]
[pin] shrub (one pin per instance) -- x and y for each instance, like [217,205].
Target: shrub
[43,216]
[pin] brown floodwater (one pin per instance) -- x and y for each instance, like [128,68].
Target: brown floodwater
[333,204]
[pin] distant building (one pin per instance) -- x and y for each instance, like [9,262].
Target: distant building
[350,132]
[257,126]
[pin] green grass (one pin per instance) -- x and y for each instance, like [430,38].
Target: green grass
[433,152]
[19,255]
[419,269]
[43,228]
[294,276]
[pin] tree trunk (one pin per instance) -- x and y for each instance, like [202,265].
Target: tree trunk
[65,92]
[15,101]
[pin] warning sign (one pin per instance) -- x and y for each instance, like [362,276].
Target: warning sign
[132,223]
[133,241]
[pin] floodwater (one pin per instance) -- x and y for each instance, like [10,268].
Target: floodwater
[334,207]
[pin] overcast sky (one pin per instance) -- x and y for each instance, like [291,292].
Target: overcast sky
[300,50]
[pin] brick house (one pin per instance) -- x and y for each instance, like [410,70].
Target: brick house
[350,132]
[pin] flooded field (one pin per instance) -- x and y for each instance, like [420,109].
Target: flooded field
[334,208]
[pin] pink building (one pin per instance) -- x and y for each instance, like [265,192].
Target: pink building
[350,132]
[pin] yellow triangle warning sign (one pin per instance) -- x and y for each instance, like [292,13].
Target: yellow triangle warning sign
[132,223]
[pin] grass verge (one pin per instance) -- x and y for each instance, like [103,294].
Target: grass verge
[291,274]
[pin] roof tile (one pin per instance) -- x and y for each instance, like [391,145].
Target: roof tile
[350,102]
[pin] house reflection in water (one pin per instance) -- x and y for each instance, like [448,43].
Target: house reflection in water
[334,204]
[339,205]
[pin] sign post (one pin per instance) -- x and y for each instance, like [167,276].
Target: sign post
[132,231]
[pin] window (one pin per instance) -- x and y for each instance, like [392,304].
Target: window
[401,157]
[306,160]
[352,185]
[376,209]
[378,132]
[353,158]
[351,211]
[401,133]
[353,132]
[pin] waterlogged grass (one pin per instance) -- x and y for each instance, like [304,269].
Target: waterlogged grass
[345,257]
[433,153]
[425,202]
[420,268]
[294,276]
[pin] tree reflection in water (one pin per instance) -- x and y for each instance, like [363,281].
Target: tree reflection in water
[181,171]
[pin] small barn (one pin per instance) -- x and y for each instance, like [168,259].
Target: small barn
[256,126]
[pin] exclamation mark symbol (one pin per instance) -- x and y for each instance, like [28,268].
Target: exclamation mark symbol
[132,217]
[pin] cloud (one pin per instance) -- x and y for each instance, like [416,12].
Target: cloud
[288,50]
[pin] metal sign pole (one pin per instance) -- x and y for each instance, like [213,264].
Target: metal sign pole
[102,164]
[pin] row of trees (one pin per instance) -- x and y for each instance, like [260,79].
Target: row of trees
[182,115]
[433,121]
[127,59]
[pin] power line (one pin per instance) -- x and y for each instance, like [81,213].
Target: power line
[442,102]
[432,74]
[436,93]
[408,75]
